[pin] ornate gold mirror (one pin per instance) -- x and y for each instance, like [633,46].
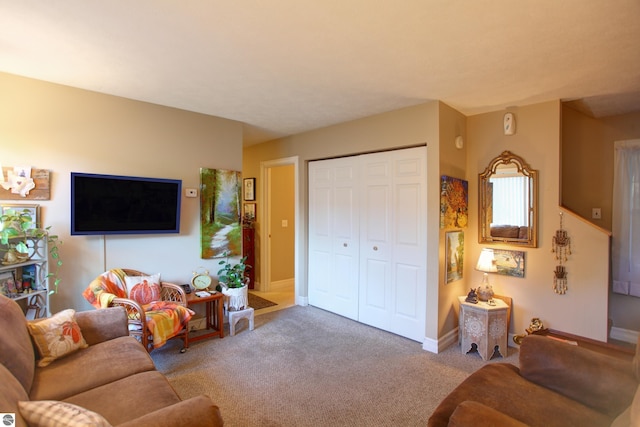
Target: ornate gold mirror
[508,202]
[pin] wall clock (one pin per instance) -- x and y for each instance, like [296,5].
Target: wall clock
[201,280]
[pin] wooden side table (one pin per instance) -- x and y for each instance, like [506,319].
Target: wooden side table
[483,327]
[214,316]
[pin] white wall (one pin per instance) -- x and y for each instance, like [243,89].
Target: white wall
[64,129]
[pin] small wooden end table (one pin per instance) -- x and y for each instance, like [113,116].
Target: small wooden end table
[214,315]
[485,326]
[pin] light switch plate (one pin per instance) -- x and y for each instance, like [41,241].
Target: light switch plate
[191,192]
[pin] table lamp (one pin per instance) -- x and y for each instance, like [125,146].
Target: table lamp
[487,264]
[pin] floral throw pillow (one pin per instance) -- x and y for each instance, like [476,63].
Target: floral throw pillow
[56,336]
[143,289]
[51,413]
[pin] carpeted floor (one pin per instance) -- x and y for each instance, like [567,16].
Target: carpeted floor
[257,302]
[303,366]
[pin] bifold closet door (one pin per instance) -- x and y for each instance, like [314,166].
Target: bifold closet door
[333,235]
[393,241]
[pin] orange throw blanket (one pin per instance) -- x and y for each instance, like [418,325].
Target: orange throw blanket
[164,319]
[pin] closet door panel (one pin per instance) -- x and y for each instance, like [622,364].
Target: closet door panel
[376,244]
[333,236]
[409,246]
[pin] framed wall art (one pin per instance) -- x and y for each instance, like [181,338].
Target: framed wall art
[249,185]
[250,211]
[454,201]
[220,213]
[454,256]
[32,210]
[509,263]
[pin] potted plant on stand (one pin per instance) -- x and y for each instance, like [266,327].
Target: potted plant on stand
[19,237]
[232,283]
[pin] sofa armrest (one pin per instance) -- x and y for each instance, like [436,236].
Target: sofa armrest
[103,324]
[599,381]
[470,413]
[195,412]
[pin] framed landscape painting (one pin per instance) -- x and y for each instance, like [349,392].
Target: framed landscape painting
[220,213]
[454,256]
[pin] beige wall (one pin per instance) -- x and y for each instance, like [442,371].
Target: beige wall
[452,162]
[587,182]
[64,129]
[402,128]
[583,310]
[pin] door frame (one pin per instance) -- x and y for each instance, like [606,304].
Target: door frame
[263,224]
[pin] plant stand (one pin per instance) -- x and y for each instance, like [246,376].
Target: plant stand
[235,316]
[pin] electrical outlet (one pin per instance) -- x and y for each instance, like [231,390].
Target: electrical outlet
[596,213]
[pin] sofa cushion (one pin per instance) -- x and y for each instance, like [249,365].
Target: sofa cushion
[16,348]
[470,413]
[56,336]
[128,398]
[501,387]
[51,413]
[597,380]
[11,392]
[197,411]
[90,367]
[103,325]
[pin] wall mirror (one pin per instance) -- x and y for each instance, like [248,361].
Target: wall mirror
[508,202]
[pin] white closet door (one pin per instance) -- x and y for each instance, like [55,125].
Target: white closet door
[333,236]
[393,242]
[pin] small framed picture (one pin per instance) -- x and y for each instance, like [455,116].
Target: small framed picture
[454,257]
[8,284]
[32,210]
[250,211]
[249,186]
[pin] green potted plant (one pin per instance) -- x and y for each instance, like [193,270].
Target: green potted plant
[232,283]
[17,233]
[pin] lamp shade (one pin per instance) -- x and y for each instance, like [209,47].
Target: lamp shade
[486,261]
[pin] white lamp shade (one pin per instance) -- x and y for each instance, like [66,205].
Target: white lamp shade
[486,261]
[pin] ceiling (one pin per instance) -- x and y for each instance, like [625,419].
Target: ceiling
[288,66]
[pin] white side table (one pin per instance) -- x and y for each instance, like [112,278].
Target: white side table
[485,326]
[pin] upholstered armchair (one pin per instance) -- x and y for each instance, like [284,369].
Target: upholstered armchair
[157,311]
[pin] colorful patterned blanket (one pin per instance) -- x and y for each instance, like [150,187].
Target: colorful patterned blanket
[164,319]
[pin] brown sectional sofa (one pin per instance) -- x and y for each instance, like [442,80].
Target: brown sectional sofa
[556,384]
[114,376]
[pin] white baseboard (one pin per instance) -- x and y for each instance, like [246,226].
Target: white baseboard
[436,346]
[625,335]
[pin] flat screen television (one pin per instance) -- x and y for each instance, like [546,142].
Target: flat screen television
[111,204]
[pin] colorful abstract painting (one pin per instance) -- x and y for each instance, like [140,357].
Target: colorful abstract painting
[220,213]
[454,257]
[454,200]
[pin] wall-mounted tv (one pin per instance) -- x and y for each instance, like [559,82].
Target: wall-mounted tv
[111,204]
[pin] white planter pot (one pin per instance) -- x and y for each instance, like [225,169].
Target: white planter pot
[236,298]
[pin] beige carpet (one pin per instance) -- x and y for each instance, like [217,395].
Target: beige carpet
[303,366]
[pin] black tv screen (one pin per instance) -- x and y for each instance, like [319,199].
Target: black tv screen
[110,204]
